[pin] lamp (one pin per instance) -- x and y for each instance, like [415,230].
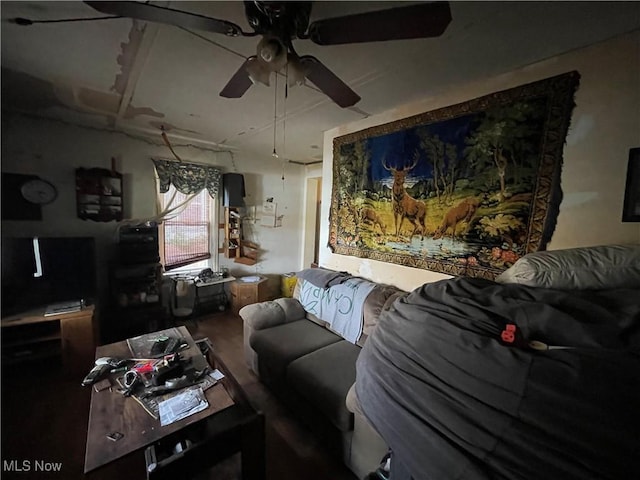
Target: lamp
[257,71]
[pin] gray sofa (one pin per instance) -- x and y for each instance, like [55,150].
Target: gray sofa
[312,370]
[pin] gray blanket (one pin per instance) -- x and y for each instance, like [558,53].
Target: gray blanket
[341,305]
[454,401]
[323,278]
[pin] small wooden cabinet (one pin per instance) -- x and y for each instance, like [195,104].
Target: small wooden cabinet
[246,293]
[99,194]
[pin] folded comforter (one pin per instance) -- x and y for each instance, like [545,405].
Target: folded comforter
[455,397]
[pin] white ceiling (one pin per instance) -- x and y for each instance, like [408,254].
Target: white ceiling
[86,73]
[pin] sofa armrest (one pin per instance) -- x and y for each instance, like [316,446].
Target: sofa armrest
[271,313]
[259,316]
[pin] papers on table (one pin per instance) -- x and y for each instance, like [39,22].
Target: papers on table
[190,401]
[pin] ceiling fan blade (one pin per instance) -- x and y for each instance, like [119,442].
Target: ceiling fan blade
[328,82]
[169,16]
[414,21]
[237,86]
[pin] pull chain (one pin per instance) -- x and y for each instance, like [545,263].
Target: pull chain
[275,117]
[284,122]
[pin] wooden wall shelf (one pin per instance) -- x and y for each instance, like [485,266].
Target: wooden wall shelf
[236,247]
[99,194]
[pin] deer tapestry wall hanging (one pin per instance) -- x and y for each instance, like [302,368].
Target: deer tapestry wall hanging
[463,190]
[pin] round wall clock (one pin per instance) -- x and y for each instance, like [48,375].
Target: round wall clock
[38,191]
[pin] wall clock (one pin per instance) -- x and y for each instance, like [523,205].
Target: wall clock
[14,205]
[38,191]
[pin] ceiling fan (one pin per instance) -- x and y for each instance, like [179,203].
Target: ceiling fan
[279,23]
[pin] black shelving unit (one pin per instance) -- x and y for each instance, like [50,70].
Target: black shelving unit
[136,283]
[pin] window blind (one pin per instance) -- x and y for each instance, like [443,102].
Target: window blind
[187,235]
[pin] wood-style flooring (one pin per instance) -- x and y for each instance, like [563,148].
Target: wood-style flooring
[45,413]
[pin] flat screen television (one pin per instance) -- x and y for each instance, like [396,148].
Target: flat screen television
[37,271]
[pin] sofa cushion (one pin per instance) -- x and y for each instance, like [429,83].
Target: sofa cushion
[278,346]
[291,307]
[324,377]
[583,268]
[272,312]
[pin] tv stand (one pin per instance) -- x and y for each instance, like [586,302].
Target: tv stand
[32,336]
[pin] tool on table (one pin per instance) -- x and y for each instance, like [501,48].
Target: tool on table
[151,376]
[102,366]
[166,345]
[112,361]
[186,380]
[130,380]
[95,374]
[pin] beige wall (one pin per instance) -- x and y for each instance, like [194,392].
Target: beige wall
[604,126]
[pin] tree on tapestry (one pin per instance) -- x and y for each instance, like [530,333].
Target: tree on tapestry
[468,189]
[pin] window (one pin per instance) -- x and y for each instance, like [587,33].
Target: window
[189,238]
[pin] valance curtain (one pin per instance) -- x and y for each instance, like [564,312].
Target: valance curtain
[188,178]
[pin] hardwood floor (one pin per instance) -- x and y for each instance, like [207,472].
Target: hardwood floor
[45,413]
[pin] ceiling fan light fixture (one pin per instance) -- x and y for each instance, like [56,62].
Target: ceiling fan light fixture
[268,51]
[272,52]
[296,74]
[258,72]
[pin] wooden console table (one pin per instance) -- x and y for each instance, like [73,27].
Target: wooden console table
[32,336]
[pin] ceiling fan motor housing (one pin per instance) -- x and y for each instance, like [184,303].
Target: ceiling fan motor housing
[284,19]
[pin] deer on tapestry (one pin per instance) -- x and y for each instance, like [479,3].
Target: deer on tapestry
[463,212]
[404,205]
[369,215]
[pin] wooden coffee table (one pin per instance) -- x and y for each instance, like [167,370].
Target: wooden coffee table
[229,425]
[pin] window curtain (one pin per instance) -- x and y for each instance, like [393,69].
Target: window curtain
[185,222]
[188,178]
